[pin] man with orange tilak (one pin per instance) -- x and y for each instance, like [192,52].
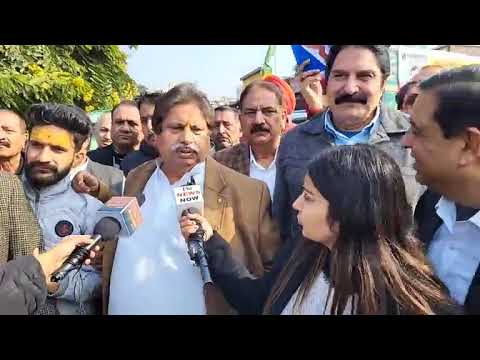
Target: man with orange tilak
[57,133]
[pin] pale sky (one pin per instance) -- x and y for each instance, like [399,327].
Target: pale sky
[216,69]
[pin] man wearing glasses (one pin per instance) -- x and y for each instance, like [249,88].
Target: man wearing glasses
[263,119]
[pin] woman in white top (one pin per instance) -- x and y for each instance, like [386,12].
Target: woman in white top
[358,254]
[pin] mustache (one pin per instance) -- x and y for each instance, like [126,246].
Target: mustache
[5,143]
[42,165]
[346,98]
[258,128]
[179,147]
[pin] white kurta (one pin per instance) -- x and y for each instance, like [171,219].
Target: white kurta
[152,272]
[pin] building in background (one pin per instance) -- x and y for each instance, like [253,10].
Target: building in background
[251,76]
[472,50]
[224,101]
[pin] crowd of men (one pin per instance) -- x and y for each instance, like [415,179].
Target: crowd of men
[251,161]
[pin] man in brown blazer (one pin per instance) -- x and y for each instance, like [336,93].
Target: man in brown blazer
[19,230]
[154,260]
[263,118]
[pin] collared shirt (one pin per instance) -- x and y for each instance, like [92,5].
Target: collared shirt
[455,249]
[117,159]
[152,272]
[75,171]
[267,175]
[342,138]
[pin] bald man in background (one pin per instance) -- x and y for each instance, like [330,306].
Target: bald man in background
[412,93]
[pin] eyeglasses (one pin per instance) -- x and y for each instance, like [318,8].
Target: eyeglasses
[267,112]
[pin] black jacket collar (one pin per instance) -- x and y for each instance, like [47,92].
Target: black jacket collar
[148,149]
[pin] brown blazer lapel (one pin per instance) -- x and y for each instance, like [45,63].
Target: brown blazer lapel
[216,199]
[138,178]
[215,195]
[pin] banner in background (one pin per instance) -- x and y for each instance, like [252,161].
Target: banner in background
[411,60]
[405,62]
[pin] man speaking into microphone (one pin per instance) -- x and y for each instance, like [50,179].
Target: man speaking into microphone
[151,271]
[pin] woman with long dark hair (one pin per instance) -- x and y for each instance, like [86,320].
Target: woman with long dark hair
[358,254]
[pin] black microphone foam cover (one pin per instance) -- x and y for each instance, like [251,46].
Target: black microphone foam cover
[108,228]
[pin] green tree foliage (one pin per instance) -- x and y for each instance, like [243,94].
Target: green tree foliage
[93,77]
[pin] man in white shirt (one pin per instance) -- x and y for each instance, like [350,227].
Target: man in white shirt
[263,118]
[445,142]
[151,272]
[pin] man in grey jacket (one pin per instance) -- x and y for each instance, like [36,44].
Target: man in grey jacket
[356,78]
[56,135]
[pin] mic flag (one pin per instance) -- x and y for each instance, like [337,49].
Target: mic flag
[188,196]
[125,210]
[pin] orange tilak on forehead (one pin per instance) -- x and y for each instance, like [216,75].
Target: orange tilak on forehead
[53,136]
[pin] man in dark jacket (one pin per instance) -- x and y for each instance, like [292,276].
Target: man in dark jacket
[126,135]
[23,281]
[110,180]
[445,142]
[356,76]
[146,107]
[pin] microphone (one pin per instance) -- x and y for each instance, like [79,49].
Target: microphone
[196,249]
[120,216]
[106,229]
[125,210]
[189,199]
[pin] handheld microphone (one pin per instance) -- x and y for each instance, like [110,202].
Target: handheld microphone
[106,229]
[189,199]
[196,251]
[125,210]
[120,216]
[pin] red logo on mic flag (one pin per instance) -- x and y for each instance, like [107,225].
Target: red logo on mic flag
[64,228]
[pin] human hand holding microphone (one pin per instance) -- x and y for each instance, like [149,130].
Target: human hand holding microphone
[53,259]
[191,222]
[194,227]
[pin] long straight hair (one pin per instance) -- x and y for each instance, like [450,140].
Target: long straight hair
[375,260]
